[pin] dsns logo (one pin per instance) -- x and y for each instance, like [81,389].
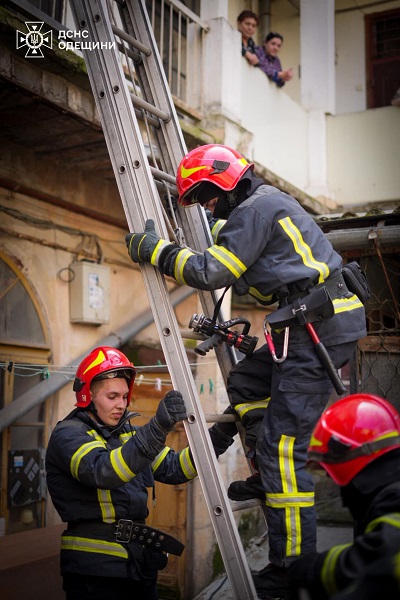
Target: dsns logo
[34,39]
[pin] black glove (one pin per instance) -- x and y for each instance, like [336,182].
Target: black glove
[171,410]
[141,246]
[222,433]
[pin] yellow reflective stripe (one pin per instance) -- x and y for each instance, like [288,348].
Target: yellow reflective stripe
[290,499]
[301,500]
[159,458]
[242,409]
[120,466]
[254,292]
[286,464]
[329,566]
[126,436]
[81,544]
[157,251]
[186,464]
[106,505]
[392,519]
[217,228]
[304,249]
[80,453]
[180,262]
[345,304]
[228,259]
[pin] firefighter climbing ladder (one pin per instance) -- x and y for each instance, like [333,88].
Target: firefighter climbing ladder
[124,94]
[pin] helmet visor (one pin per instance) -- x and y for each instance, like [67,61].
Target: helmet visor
[127,374]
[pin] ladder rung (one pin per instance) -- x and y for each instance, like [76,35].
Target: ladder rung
[189,334]
[163,175]
[139,103]
[128,38]
[245,504]
[218,418]
[133,55]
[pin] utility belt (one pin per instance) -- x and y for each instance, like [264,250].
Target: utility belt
[126,531]
[310,305]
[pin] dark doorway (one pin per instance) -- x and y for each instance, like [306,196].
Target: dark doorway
[383,57]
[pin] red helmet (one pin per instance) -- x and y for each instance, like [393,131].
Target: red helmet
[352,433]
[102,363]
[217,164]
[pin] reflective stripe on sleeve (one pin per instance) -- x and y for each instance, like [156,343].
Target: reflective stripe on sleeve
[228,259]
[329,566]
[186,464]
[180,262]
[120,466]
[159,458]
[244,408]
[217,228]
[157,251]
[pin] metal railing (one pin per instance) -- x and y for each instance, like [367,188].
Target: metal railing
[179,33]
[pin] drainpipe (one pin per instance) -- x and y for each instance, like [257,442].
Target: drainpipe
[46,388]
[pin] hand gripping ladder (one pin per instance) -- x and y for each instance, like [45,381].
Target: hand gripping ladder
[122,98]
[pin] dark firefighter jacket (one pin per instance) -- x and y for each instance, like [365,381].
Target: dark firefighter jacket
[98,475]
[269,247]
[344,567]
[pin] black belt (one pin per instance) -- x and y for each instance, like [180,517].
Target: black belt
[125,531]
[335,286]
[317,305]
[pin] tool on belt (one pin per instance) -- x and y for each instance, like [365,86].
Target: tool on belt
[314,306]
[126,531]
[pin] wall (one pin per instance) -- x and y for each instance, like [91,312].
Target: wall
[363,156]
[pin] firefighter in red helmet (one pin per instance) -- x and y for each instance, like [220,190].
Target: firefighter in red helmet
[266,245]
[99,467]
[357,442]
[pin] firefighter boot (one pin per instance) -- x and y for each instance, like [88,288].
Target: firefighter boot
[247,490]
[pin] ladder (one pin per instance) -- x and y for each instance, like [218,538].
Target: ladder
[127,91]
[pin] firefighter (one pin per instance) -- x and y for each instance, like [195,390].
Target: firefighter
[98,468]
[357,443]
[266,245]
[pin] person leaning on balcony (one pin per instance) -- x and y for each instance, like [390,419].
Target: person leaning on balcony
[356,442]
[265,244]
[269,62]
[99,467]
[247,23]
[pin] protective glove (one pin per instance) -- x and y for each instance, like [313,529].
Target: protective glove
[152,436]
[222,433]
[171,410]
[146,246]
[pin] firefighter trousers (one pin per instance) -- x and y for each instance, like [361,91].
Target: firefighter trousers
[279,405]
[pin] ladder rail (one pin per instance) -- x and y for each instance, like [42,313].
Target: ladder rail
[140,200]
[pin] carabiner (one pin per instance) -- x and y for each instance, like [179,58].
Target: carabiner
[271,345]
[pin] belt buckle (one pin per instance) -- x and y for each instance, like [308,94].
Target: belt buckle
[123,531]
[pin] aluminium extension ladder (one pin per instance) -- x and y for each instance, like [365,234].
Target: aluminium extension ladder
[127,91]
